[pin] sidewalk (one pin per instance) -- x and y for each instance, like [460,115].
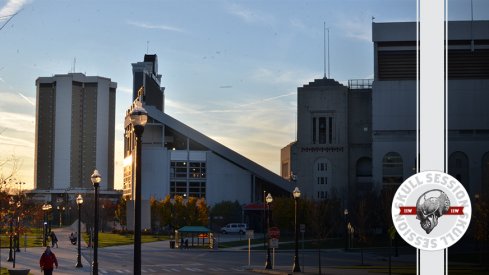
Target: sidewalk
[285,270]
[66,254]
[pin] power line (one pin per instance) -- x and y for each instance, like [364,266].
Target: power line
[8,20]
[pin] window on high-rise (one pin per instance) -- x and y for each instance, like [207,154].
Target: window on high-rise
[188,178]
[323,129]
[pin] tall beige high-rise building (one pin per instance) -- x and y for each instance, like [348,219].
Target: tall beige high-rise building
[75,124]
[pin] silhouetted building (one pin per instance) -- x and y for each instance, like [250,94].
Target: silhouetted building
[75,124]
[178,160]
[394,103]
[363,137]
[332,154]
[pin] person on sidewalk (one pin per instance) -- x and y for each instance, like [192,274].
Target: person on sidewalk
[48,261]
[54,239]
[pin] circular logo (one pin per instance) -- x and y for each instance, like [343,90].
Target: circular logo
[431,210]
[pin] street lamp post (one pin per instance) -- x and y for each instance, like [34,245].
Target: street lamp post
[17,235]
[61,209]
[297,195]
[11,202]
[269,200]
[139,117]
[346,228]
[96,179]
[45,208]
[79,202]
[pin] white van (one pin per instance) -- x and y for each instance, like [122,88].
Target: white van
[234,228]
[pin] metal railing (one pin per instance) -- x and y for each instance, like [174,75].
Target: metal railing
[355,84]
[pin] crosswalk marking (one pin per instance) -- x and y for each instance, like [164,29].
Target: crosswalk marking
[192,269]
[217,269]
[175,270]
[103,271]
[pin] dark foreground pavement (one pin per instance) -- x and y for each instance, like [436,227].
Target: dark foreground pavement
[158,258]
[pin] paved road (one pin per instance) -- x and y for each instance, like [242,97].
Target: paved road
[158,258]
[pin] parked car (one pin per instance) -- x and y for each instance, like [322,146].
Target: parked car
[234,228]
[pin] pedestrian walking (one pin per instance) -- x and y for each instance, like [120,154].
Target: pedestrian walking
[48,261]
[54,240]
[73,238]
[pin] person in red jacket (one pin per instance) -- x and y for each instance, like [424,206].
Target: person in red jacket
[48,261]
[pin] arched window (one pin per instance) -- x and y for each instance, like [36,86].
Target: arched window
[458,167]
[485,173]
[364,167]
[392,169]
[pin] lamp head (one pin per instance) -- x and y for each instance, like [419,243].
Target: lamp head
[345,212]
[269,198]
[296,193]
[96,178]
[46,206]
[139,116]
[79,199]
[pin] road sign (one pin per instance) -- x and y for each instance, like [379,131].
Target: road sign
[250,234]
[273,243]
[274,232]
[302,228]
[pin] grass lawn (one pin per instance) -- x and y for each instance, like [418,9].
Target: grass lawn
[34,239]
[112,239]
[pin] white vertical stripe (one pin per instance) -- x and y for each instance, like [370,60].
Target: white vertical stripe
[102,134]
[432,107]
[432,92]
[62,132]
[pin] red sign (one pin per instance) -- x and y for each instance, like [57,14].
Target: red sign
[274,232]
[411,210]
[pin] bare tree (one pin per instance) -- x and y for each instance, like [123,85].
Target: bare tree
[9,167]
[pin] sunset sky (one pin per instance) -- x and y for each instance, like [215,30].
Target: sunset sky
[231,68]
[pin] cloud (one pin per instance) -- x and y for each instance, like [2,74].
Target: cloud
[356,28]
[12,7]
[125,89]
[155,27]
[288,78]
[265,100]
[250,16]
[17,122]
[16,102]
[268,124]
[12,141]
[27,99]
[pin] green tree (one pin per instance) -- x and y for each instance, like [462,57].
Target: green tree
[225,212]
[324,218]
[365,219]
[179,212]
[203,211]
[156,206]
[166,213]
[282,214]
[481,223]
[121,212]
